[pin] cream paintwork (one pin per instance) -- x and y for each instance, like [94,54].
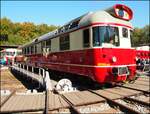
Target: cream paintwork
[38,49]
[101,17]
[124,42]
[76,41]
[143,48]
[55,44]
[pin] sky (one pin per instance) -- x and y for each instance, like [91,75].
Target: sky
[60,12]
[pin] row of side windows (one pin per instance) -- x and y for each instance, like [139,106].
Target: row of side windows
[64,44]
[100,34]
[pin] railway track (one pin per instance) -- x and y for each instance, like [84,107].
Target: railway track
[87,101]
[114,100]
[117,99]
[128,98]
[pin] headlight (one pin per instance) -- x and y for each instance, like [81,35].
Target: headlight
[114,59]
[136,58]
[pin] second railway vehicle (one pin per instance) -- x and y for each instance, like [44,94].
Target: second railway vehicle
[143,58]
[96,45]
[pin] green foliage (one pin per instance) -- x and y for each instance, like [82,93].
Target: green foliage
[141,36]
[21,33]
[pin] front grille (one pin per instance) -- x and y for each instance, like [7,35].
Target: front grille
[120,71]
[123,71]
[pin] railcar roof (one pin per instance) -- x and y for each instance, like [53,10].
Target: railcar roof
[84,20]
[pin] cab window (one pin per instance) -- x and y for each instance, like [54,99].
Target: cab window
[125,32]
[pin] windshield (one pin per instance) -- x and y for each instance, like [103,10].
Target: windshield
[105,34]
[10,53]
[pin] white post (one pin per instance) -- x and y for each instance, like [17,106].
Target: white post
[32,69]
[43,74]
[23,69]
[27,67]
[39,71]
[48,81]
[27,70]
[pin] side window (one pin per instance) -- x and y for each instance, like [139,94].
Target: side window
[28,48]
[64,42]
[38,47]
[125,32]
[23,51]
[32,50]
[35,49]
[86,38]
[131,38]
[74,24]
[43,46]
[48,46]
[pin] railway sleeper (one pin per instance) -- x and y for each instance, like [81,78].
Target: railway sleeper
[117,105]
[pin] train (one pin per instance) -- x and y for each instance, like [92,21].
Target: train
[8,55]
[96,45]
[143,58]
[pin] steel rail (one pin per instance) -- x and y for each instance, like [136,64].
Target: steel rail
[121,106]
[138,101]
[7,98]
[144,91]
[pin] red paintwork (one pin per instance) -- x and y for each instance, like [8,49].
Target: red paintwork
[9,59]
[143,54]
[81,62]
[127,9]
[19,58]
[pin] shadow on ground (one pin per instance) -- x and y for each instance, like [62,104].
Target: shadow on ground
[27,82]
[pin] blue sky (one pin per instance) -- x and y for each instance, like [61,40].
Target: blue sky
[60,12]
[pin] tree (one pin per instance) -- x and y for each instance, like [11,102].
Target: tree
[146,35]
[141,36]
[21,33]
[6,25]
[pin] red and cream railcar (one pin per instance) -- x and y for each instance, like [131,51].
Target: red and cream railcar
[96,45]
[143,53]
[143,58]
[8,56]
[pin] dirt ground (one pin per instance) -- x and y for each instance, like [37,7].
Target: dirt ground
[9,82]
